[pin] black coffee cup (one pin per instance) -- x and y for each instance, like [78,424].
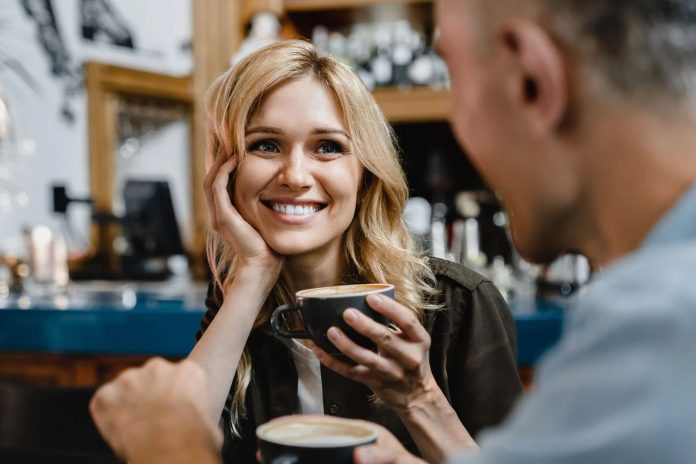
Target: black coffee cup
[319,309]
[312,439]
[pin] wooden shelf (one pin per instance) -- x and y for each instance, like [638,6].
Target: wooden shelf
[120,80]
[414,105]
[320,5]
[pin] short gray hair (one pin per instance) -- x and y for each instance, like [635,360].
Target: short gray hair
[645,47]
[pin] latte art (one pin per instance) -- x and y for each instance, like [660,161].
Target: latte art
[316,434]
[358,289]
[320,433]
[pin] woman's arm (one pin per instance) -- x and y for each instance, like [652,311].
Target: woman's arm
[221,345]
[219,349]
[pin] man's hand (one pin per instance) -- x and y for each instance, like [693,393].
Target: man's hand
[387,450]
[157,414]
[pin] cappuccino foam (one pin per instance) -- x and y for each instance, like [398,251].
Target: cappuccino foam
[343,290]
[316,434]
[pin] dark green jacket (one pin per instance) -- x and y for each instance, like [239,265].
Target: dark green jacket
[472,356]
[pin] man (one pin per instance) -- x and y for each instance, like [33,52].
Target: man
[581,115]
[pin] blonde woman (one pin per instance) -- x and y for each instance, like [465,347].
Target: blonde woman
[306,190]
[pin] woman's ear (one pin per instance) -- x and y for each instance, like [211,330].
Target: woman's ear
[537,83]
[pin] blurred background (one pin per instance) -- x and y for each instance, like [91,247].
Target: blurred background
[102,218]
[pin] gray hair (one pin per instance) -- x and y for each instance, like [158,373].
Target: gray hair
[646,47]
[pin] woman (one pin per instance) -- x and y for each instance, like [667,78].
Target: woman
[309,163]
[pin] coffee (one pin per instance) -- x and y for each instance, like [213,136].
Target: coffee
[312,439]
[319,309]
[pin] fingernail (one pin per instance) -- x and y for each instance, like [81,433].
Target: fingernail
[350,315]
[332,333]
[375,298]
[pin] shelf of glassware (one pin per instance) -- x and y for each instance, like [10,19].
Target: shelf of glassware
[417,104]
[316,5]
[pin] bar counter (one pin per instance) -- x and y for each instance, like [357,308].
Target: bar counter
[138,321]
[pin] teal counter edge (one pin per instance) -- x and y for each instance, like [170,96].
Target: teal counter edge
[172,332]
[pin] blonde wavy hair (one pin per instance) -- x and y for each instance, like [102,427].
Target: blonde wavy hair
[378,247]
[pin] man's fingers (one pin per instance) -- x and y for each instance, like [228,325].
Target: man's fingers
[101,408]
[374,454]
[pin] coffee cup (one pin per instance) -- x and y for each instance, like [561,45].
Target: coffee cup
[312,439]
[319,309]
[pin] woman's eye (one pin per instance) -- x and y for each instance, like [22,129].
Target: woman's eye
[266,146]
[331,148]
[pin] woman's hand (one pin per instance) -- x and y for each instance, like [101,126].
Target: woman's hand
[399,373]
[246,242]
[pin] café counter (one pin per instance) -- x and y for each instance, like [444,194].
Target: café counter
[88,335]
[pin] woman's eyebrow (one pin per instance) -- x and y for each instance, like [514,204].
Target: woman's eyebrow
[330,131]
[275,130]
[264,130]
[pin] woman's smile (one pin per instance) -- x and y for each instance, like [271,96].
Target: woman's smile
[293,212]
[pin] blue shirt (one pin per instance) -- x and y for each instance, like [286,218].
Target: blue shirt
[620,387]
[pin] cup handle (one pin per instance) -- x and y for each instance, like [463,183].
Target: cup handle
[276,323]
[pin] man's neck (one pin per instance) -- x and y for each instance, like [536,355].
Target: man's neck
[641,169]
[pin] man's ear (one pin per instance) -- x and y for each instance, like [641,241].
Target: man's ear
[538,81]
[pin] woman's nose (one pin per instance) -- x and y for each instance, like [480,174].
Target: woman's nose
[295,174]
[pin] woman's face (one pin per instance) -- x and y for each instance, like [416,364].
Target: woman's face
[298,183]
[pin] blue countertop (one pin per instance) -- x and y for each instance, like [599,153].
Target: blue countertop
[136,322]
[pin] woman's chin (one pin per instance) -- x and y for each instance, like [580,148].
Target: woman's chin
[296,248]
[289,249]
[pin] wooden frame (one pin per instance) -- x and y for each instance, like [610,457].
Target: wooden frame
[106,84]
[318,5]
[217,34]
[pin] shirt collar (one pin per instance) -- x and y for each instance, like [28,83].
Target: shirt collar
[678,224]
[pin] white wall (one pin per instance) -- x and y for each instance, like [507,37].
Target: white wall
[160,28]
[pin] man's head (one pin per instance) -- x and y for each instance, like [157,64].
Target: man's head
[535,83]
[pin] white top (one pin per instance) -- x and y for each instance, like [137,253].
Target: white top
[309,394]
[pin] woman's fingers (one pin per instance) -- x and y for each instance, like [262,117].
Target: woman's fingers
[210,176]
[409,354]
[401,316]
[219,172]
[358,373]
[221,195]
[225,219]
[364,357]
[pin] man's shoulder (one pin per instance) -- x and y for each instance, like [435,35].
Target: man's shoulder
[655,281]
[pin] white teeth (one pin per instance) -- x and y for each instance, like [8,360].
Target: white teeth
[295,210]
